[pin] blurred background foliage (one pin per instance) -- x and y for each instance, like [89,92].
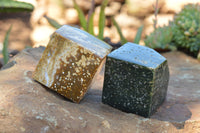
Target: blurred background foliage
[114,21]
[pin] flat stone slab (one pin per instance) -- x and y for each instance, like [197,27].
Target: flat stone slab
[27,106]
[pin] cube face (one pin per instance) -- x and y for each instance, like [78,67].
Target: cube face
[161,79]
[68,67]
[123,86]
[132,87]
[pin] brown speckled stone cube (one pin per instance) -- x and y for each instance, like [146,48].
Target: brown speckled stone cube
[70,62]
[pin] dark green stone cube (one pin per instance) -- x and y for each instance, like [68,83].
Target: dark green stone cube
[136,79]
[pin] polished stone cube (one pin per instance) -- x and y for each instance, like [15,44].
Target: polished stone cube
[70,62]
[136,79]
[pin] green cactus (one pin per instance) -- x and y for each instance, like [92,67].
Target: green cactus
[15,6]
[160,39]
[186,29]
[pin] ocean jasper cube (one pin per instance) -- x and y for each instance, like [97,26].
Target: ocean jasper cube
[136,79]
[70,61]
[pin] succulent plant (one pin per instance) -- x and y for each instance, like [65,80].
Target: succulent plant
[160,39]
[15,6]
[186,29]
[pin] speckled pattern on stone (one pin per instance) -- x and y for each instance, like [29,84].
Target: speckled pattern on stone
[70,62]
[136,79]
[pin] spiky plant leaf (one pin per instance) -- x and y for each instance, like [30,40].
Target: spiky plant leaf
[102,19]
[90,25]
[138,35]
[122,38]
[5,46]
[81,16]
[53,22]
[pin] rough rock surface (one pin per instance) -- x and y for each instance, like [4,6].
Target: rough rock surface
[142,8]
[27,106]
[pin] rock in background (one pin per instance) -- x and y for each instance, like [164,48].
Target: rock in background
[32,29]
[130,15]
